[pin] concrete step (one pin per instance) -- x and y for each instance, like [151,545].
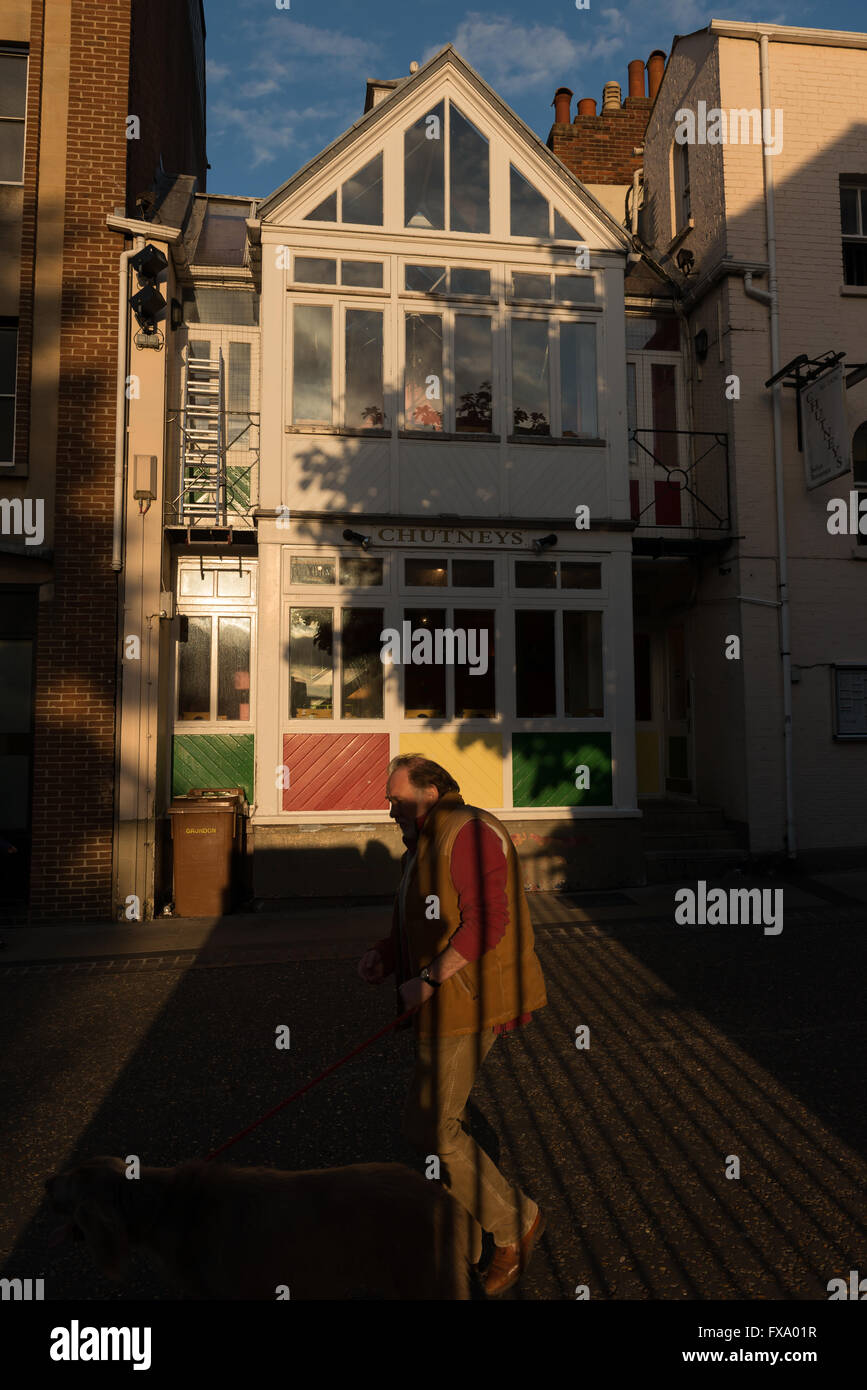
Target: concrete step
[685,842]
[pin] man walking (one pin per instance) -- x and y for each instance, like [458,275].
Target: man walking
[461,948]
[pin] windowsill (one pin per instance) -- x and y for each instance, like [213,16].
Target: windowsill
[570,305]
[300,287]
[578,442]
[445,297]
[856,291]
[441,436]
[334,429]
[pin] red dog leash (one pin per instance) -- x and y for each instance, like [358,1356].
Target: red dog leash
[314,1082]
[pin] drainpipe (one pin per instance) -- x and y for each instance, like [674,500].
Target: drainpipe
[120,401]
[771,299]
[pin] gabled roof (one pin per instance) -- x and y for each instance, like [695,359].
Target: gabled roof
[385,109]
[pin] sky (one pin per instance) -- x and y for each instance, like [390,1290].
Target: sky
[283,83]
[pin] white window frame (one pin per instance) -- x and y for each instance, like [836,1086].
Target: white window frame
[216,607]
[553,318]
[468,306]
[340,303]
[12,325]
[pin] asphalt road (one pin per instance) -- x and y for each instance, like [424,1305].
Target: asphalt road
[705,1043]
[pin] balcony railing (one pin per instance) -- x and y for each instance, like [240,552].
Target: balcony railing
[679,482]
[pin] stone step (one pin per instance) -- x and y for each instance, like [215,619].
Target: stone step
[663,866]
[686,841]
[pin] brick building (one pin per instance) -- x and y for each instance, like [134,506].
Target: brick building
[73,75]
[753,229]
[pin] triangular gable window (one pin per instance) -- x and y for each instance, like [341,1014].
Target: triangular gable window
[360,199]
[564,230]
[326,211]
[424,161]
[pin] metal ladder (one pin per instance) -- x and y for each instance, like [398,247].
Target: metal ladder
[203,442]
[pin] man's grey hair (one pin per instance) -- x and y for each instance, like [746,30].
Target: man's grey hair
[423,772]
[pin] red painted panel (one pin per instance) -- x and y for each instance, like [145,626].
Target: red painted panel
[335,772]
[634,503]
[667,496]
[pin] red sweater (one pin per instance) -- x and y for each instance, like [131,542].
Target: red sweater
[478,868]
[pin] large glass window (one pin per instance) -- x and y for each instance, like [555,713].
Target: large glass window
[473,373]
[194,670]
[311,676]
[238,424]
[530,376]
[475,680]
[535,664]
[424,688]
[468,176]
[582,665]
[363,397]
[577,379]
[424,170]
[365,407]
[423,401]
[233,668]
[311,365]
[361,683]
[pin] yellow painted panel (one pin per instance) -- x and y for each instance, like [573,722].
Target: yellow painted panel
[474,760]
[647,761]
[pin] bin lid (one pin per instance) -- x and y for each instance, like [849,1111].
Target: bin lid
[204,800]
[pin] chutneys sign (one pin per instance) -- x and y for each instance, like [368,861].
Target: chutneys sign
[444,535]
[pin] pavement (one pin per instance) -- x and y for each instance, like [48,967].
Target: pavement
[709,1143]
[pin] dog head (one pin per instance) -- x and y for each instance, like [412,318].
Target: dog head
[90,1198]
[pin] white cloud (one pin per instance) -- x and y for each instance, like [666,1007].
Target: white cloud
[517,58]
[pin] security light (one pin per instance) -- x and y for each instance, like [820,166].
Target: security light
[363,541]
[543,543]
[149,263]
[147,306]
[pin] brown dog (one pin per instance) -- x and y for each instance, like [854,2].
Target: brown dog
[370,1230]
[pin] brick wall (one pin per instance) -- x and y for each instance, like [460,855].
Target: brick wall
[76,643]
[599,149]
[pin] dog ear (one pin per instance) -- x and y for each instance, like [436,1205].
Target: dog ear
[106,1237]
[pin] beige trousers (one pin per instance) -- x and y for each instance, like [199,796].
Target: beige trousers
[445,1071]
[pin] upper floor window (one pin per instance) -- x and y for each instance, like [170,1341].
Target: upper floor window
[682,200]
[13,105]
[532,215]
[441,139]
[553,377]
[337,364]
[359,198]
[458,349]
[8,361]
[859,468]
[853,218]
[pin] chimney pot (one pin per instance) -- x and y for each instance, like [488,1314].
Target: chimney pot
[562,104]
[655,69]
[611,96]
[587,106]
[636,77]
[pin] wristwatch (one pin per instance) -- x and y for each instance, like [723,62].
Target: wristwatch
[424,974]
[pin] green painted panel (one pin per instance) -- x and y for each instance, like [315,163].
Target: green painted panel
[543,769]
[238,482]
[212,760]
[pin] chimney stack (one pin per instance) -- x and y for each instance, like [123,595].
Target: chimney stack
[587,106]
[611,97]
[562,104]
[636,77]
[655,69]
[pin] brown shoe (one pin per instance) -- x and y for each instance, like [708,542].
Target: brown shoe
[510,1261]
